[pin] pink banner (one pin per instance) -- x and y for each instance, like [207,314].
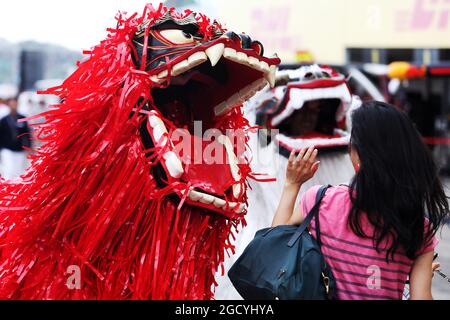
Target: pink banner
[425,15]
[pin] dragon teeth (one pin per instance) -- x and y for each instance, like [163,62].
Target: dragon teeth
[237,191]
[155,121]
[270,77]
[230,54]
[253,62]
[240,97]
[159,130]
[264,67]
[163,74]
[219,203]
[195,196]
[173,165]
[221,108]
[237,207]
[242,58]
[156,79]
[197,59]
[216,202]
[215,53]
[180,68]
[207,199]
[232,159]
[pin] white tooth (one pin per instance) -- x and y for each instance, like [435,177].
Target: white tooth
[237,190]
[219,203]
[207,199]
[230,54]
[180,68]
[197,59]
[195,196]
[158,133]
[257,84]
[260,84]
[155,121]
[240,97]
[235,171]
[215,53]
[270,77]
[244,92]
[250,90]
[237,207]
[264,67]
[241,208]
[159,129]
[247,94]
[163,142]
[155,79]
[242,57]
[173,164]
[163,74]
[221,108]
[250,95]
[189,193]
[234,100]
[253,62]
[232,159]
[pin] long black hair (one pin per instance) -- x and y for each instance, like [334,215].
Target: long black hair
[397,185]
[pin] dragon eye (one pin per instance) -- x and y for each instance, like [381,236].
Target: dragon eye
[177,36]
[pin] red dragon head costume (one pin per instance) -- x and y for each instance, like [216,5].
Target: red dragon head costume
[108,194]
[309,106]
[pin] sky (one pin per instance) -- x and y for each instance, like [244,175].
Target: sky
[77,25]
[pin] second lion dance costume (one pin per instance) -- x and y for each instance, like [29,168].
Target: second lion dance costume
[309,106]
[108,194]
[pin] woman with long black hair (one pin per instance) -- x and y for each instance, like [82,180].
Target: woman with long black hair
[381,229]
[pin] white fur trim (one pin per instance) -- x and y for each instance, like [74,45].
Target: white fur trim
[297,144]
[298,97]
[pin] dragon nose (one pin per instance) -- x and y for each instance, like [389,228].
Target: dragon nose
[246,42]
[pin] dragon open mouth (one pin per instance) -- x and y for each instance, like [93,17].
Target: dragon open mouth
[201,87]
[309,107]
[313,116]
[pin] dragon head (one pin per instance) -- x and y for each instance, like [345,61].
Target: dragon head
[115,188]
[309,106]
[200,75]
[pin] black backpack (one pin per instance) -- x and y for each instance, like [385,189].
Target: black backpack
[285,263]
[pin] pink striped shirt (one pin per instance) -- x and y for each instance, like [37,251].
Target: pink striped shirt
[361,272]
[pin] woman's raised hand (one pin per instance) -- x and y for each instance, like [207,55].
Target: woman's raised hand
[303,167]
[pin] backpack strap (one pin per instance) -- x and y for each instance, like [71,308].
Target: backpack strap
[319,197]
[313,213]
